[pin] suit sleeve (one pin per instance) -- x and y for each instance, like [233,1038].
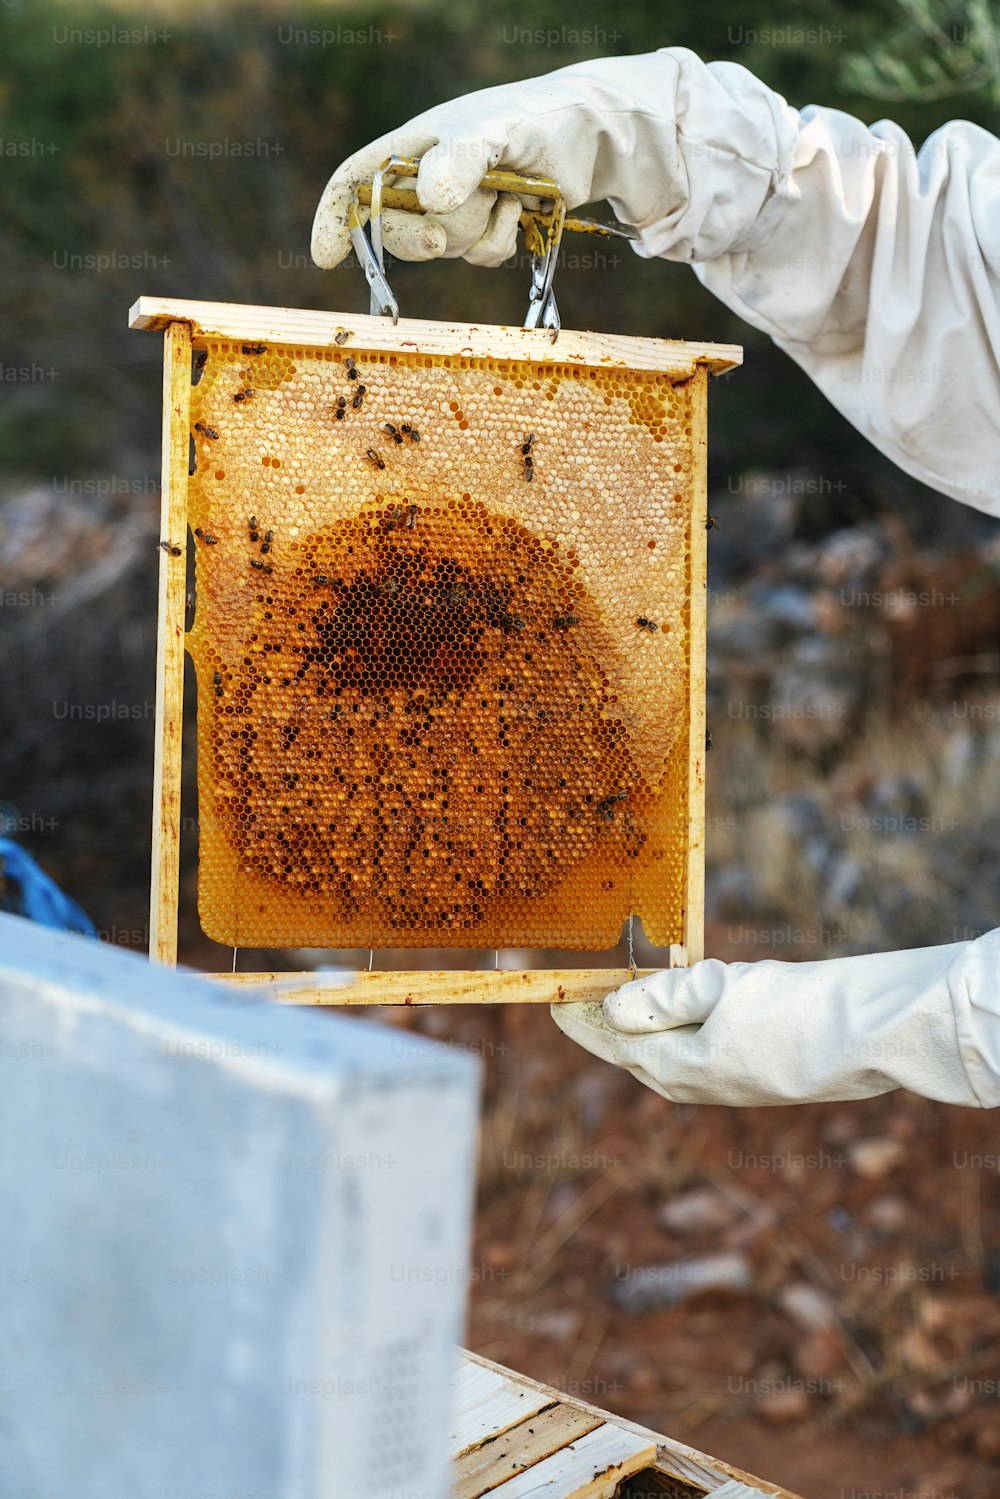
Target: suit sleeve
[876,267]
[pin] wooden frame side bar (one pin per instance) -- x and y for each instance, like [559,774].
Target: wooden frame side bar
[694,909]
[291,325]
[165,876]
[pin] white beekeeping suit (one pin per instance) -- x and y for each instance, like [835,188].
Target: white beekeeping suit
[877,268]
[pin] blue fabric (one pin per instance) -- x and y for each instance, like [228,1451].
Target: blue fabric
[40,899]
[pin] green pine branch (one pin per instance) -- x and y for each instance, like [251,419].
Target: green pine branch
[945,48]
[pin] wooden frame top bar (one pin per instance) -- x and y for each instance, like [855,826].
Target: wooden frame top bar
[291,325]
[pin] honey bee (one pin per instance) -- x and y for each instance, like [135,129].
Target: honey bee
[396,436]
[511,623]
[266,543]
[529,438]
[254,532]
[201,361]
[206,431]
[319,581]
[411,432]
[340,410]
[712,524]
[607,806]
[341,336]
[210,541]
[352,372]
[358,397]
[411,519]
[563,621]
[255,348]
[647,624]
[170,547]
[246,394]
[264,567]
[217,681]
[376,457]
[457,596]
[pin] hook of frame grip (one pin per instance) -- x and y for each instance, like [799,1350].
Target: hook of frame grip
[369,247]
[542,309]
[383,301]
[393,166]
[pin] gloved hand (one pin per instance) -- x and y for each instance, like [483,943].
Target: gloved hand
[873,267]
[637,131]
[778,1033]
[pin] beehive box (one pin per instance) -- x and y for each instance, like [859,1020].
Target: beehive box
[448,636]
[514,1438]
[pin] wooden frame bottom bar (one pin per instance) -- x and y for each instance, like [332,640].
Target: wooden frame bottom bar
[451,987]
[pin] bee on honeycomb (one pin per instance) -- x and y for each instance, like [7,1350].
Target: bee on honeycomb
[436,727]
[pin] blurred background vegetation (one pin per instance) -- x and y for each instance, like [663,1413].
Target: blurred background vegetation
[237,229]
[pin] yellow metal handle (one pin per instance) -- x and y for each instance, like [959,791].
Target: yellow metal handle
[542,225]
[543,222]
[496,181]
[534,221]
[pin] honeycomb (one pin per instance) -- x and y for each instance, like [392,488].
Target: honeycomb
[442,649]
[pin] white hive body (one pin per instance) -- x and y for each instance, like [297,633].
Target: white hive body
[236,1237]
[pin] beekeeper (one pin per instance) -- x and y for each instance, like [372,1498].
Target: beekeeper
[877,268]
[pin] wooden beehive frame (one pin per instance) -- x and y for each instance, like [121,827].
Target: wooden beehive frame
[185,325]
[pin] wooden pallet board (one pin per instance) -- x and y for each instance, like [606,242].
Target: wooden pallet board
[546,1443]
[589,1467]
[515,1440]
[521,1447]
[487,1401]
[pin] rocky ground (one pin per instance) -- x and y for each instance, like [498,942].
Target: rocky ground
[812,1293]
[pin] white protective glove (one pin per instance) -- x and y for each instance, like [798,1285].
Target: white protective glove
[607,129]
[777,1033]
[875,268]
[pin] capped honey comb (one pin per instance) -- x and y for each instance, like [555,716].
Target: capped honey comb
[442,645]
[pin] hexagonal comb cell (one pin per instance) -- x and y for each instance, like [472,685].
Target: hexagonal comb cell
[442,649]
